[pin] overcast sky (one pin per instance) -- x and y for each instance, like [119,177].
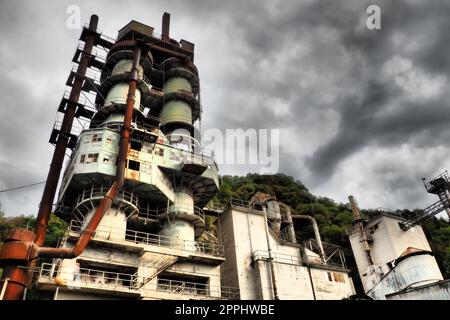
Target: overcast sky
[362,112]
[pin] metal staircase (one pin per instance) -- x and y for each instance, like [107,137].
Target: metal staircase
[425,214]
[440,186]
[158,265]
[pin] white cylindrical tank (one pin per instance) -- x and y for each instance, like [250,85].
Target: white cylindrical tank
[118,95]
[179,229]
[177,83]
[125,66]
[412,271]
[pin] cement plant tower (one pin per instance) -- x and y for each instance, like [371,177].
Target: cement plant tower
[137,182]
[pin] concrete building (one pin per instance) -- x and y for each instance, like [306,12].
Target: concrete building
[394,263]
[264,263]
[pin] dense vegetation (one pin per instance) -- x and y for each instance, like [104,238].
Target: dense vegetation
[334,219]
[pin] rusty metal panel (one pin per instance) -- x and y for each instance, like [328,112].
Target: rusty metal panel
[135,27]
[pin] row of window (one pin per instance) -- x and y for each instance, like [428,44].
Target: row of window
[97,137]
[88,158]
[132,164]
[93,157]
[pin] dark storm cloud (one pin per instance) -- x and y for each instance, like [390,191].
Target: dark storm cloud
[339,93]
[359,124]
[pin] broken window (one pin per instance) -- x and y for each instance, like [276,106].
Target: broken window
[96,137]
[133,165]
[159,151]
[136,145]
[83,156]
[373,228]
[330,276]
[92,157]
[108,158]
[338,277]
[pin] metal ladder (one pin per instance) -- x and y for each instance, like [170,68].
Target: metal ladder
[159,266]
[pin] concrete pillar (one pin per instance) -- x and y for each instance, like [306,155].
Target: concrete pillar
[274,215]
[112,226]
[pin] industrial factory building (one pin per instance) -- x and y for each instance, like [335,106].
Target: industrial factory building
[392,253]
[137,189]
[137,196]
[265,261]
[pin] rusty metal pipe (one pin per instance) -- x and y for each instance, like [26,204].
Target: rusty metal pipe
[173,53]
[165,26]
[106,202]
[360,226]
[316,232]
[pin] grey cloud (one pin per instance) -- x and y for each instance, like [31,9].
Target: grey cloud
[310,58]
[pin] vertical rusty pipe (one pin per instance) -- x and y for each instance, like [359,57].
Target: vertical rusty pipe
[15,280]
[105,203]
[14,255]
[165,26]
[359,224]
[51,184]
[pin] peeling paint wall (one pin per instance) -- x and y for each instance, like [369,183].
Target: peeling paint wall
[243,233]
[389,241]
[436,291]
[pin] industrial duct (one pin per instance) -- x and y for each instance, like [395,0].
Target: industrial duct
[316,232]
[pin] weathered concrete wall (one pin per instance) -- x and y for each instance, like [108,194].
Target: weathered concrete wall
[243,233]
[435,291]
[389,242]
[332,285]
[413,271]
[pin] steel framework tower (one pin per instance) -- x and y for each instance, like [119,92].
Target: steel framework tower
[439,186]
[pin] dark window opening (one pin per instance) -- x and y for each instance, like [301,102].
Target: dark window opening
[136,145]
[96,137]
[134,165]
[92,157]
[178,283]
[330,277]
